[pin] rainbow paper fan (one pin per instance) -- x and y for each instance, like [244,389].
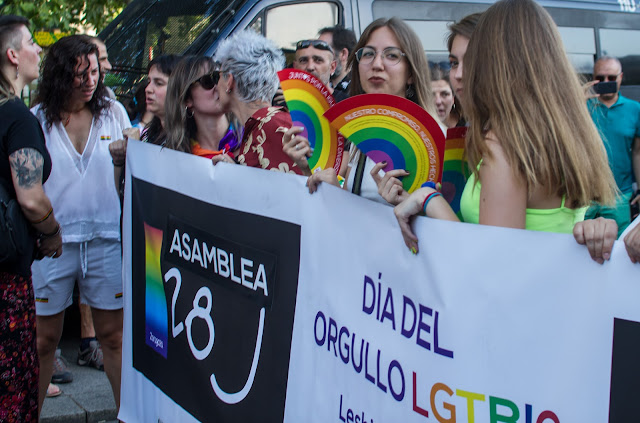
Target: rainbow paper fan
[393,129]
[455,170]
[307,100]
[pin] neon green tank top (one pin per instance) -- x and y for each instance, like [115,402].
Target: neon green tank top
[561,220]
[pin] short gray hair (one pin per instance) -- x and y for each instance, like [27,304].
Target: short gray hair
[254,62]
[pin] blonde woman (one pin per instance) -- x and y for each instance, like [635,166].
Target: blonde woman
[536,156]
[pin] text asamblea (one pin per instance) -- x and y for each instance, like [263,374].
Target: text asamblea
[245,272]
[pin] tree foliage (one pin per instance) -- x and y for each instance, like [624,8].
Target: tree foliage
[65,15]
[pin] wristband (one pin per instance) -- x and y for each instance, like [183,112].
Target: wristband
[429,198]
[431,184]
[56,232]
[46,216]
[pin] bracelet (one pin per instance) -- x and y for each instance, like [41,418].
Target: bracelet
[56,232]
[431,184]
[434,194]
[118,164]
[46,216]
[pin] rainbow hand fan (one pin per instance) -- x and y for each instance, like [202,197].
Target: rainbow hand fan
[393,129]
[455,170]
[307,100]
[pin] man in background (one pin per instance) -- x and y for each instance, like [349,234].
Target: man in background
[342,41]
[618,121]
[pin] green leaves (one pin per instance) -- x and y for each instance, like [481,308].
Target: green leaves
[65,15]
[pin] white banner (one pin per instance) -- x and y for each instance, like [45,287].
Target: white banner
[248,299]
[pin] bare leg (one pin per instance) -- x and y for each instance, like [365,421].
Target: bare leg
[108,325]
[86,322]
[48,333]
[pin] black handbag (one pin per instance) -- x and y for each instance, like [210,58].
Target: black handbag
[15,231]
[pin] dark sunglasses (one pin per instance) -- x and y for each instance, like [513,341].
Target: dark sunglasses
[319,44]
[609,78]
[209,80]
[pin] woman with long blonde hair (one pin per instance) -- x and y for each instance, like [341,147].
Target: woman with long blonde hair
[536,156]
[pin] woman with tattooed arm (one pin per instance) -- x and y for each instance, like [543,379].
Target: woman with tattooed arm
[24,166]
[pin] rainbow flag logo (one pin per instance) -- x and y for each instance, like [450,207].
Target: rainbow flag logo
[307,100]
[455,169]
[156,321]
[105,137]
[393,129]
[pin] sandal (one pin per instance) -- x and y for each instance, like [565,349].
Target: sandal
[53,391]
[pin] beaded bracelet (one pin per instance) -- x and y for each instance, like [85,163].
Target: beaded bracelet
[434,194]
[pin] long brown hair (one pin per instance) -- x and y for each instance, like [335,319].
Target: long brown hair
[541,119]
[180,127]
[411,46]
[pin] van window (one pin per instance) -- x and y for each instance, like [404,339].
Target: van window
[623,44]
[433,35]
[580,44]
[147,29]
[284,26]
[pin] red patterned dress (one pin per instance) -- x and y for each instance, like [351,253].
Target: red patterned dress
[262,141]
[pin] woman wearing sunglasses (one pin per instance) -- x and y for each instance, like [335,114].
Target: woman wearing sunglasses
[536,156]
[194,121]
[388,59]
[248,81]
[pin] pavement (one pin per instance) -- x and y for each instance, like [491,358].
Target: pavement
[88,399]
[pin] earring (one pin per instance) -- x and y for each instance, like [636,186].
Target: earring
[189,112]
[228,91]
[410,93]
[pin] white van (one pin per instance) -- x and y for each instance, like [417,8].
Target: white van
[148,28]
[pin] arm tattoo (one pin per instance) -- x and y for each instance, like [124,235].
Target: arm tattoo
[27,163]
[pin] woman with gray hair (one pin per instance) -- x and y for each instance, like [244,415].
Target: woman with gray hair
[248,81]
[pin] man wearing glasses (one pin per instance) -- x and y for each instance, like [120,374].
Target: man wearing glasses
[317,58]
[618,121]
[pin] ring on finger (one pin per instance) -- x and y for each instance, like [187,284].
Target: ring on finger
[297,146]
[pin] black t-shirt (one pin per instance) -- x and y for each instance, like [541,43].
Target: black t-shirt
[341,91]
[19,129]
